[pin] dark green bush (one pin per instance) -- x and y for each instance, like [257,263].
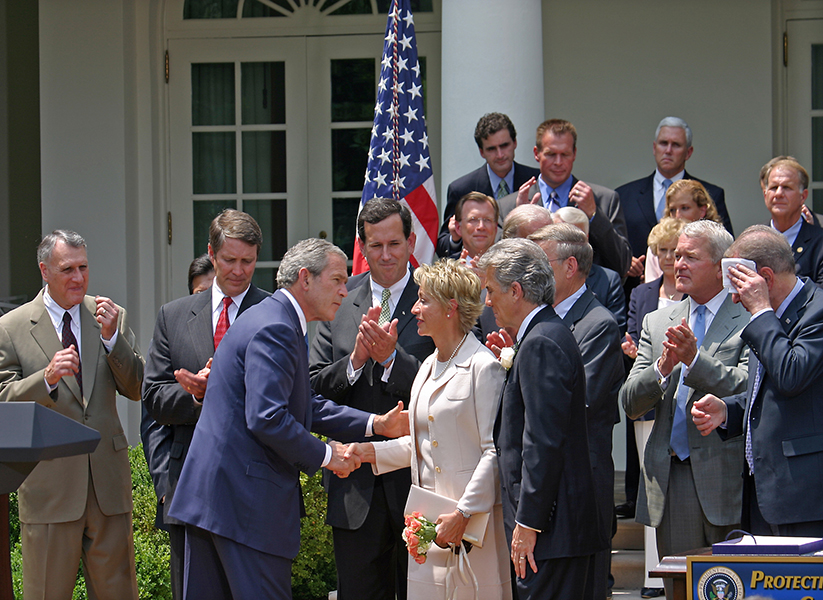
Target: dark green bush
[313,571]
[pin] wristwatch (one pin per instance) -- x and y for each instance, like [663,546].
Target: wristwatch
[466,515]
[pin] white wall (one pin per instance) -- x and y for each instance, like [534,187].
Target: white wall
[616,68]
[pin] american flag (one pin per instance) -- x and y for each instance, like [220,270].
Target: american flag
[399,163]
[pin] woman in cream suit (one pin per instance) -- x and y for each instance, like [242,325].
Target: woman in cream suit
[453,405]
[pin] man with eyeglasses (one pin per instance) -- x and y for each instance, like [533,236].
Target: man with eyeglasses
[476,217]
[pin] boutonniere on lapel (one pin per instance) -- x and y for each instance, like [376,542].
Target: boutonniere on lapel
[507,355]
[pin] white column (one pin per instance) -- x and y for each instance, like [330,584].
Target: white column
[492,62]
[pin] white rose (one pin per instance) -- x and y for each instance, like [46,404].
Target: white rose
[507,357]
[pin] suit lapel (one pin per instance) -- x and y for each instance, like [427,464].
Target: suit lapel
[402,312]
[92,346]
[722,326]
[46,337]
[578,309]
[200,328]
[646,201]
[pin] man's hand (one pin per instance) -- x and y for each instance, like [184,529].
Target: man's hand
[523,193]
[637,267]
[393,424]
[497,340]
[339,464]
[667,362]
[362,348]
[456,237]
[194,384]
[106,314]
[64,363]
[807,214]
[364,451]
[752,289]
[523,542]
[450,528]
[681,341]
[629,347]
[582,197]
[472,264]
[380,340]
[709,413]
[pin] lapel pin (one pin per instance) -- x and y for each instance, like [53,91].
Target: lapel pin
[800,248]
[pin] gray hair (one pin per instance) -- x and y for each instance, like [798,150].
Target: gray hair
[46,246]
[523,215]
[574,216]
[525,262]
[570,242]
[766,247]
[311,253]
[717,237]
[675,122]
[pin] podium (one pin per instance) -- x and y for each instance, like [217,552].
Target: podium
[29,433]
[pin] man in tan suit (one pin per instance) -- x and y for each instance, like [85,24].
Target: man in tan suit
[79,506]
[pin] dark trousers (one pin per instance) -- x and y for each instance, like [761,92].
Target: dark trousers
[754,522]
[556,579]
[177,558]
[372,561]
[218,568]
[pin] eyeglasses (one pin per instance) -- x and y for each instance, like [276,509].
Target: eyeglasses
[475,221]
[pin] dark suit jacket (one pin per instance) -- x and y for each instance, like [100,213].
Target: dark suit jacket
[637,198]
[56,490]
[808,253]
[183,339]
[350,498]
[476,181]
[607,229]
[542,448]
[241,479]
[607,287]
[787,414]
[598,338]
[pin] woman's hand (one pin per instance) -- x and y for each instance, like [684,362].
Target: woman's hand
[450,528]
[362,450]
[629,347]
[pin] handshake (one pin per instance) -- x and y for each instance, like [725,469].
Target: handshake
[346,458]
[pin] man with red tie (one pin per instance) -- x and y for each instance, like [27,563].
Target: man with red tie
[186,335]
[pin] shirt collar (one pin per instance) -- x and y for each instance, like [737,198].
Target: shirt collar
[658,177]
[791,233]
[396,290]
[298,309]
[495,180]
[563,308]
[563,190]
[798,285]
[525,324]
[56,311]
[217,296]
[712,305]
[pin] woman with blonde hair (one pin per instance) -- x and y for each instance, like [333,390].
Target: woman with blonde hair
[453,405]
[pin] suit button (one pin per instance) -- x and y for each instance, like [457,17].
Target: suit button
[431,417]
[434,444]
[437,469]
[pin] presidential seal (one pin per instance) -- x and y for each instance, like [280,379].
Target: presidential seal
[720,583]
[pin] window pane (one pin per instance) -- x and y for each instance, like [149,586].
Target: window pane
[265,278]
[204,212]
[214,163]
[352,90]
[271,216]
[210,9]
[344,223]
[264,162]
[212,94]
[817,148]
[264,93]
[817,77]
[817,200]
[355,7]
[251,8]
[349,155]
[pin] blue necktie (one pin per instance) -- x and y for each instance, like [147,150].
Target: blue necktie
[661,206]
[554,202]
[758,379]
[680,437]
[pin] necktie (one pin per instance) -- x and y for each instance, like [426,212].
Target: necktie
[554,201]
[385,310]
[758,378]
[502,189]
[661,206]
[222,322]
[70,340]
[680,438]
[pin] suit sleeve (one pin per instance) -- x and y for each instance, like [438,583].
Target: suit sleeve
[13,385]
[712,376]
[632,325]
[165,399]
[608,235]
[328,376]
[603,362]
[125,361]
[616,303]
[642,391]
[735,411]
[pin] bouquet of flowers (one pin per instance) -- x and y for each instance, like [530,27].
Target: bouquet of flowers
[419,535]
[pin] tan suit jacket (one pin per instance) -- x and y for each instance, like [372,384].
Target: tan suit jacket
[56,490]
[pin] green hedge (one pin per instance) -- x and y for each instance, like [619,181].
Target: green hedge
[313,571]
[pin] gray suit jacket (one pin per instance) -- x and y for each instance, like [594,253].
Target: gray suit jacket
[721,369]
[607,229]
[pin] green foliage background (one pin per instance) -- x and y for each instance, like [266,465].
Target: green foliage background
[313,571]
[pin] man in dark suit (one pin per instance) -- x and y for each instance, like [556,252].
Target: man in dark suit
[690,489]
[786,190]
[239,492]
[598,337]
[73,354]
[496,139]
[644,200]
[549,507]
[185,337]
[364,510]
[780,416]
[555,150]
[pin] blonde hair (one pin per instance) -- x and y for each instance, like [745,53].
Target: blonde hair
[698,194]
[667,229]
[447,280]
